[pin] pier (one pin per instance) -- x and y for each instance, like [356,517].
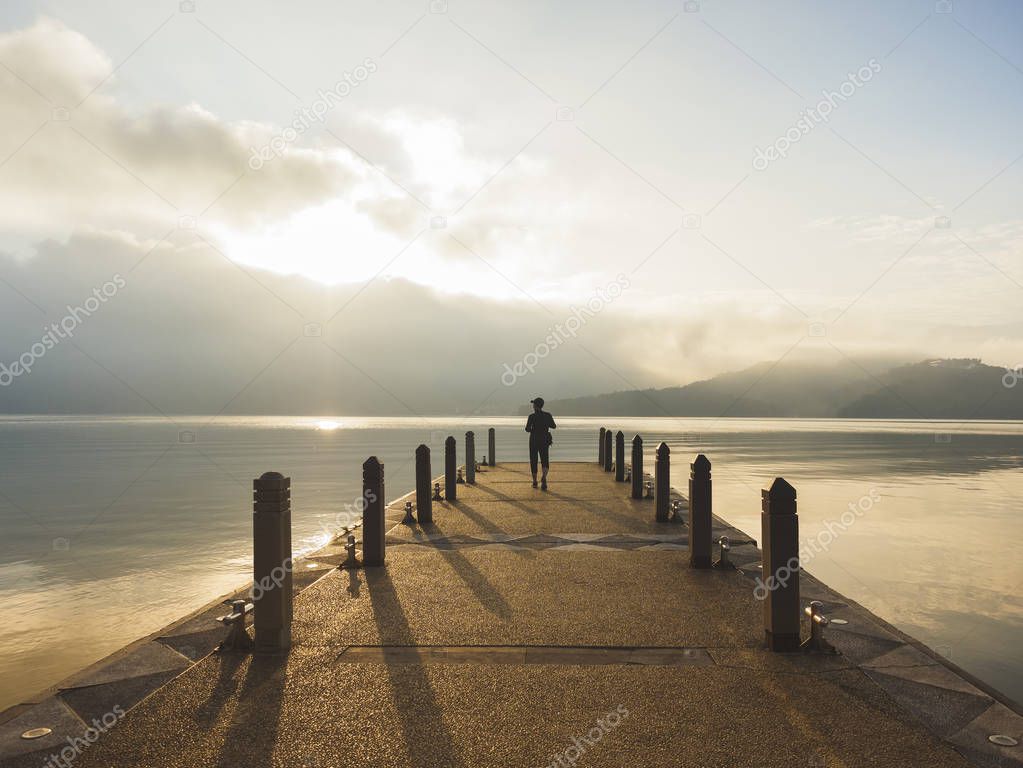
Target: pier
[496,624]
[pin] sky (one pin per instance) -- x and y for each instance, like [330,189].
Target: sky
[404,197]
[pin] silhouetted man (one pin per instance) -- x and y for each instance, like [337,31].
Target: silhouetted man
[539,426]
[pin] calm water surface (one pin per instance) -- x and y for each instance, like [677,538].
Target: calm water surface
[114,527]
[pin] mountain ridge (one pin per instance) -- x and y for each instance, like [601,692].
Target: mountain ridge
[955,388]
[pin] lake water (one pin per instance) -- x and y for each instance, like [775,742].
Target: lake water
[114,527]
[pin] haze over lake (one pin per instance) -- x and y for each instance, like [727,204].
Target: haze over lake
[116,526]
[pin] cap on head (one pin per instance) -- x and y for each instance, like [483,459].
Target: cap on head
[538,402]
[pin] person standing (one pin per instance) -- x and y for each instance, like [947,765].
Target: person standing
[539,426]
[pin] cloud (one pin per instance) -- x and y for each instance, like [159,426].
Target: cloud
[54,61]
[91,161]
[1000,237]
[81,159]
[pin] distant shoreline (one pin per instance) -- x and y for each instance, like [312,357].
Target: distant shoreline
[446,417]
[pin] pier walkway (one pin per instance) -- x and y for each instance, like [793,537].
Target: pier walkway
[531,628]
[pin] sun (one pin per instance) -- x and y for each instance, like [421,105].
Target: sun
[330,243]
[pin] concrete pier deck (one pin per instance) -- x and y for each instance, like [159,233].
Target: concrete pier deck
[531,628]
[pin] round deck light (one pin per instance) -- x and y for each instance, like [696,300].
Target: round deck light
[1003,741]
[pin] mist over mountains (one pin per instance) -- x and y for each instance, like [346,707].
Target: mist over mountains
[186,331]
[931,389]
[180,329]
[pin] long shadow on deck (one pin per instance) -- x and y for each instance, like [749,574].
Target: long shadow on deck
[208,712]
[510,500]
[252,734]
[649,513]
[427,737]
[481,587]
[483,522]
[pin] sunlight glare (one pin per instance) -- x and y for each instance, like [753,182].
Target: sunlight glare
[330,243]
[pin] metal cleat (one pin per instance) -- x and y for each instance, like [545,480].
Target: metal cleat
[724,559]
[409,519]
[351,561]
[238,636]
[818,623]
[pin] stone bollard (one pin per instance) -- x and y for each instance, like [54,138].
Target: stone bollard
[637,467]
[780,534]
[492,446]
[662,483]
[608,458]
[424,502]
[450,475]
[373,523]
[620,457]
[470,458]
[600,447]
[700,513]
[272,565]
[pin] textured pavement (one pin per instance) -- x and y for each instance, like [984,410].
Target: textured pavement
[543,639]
